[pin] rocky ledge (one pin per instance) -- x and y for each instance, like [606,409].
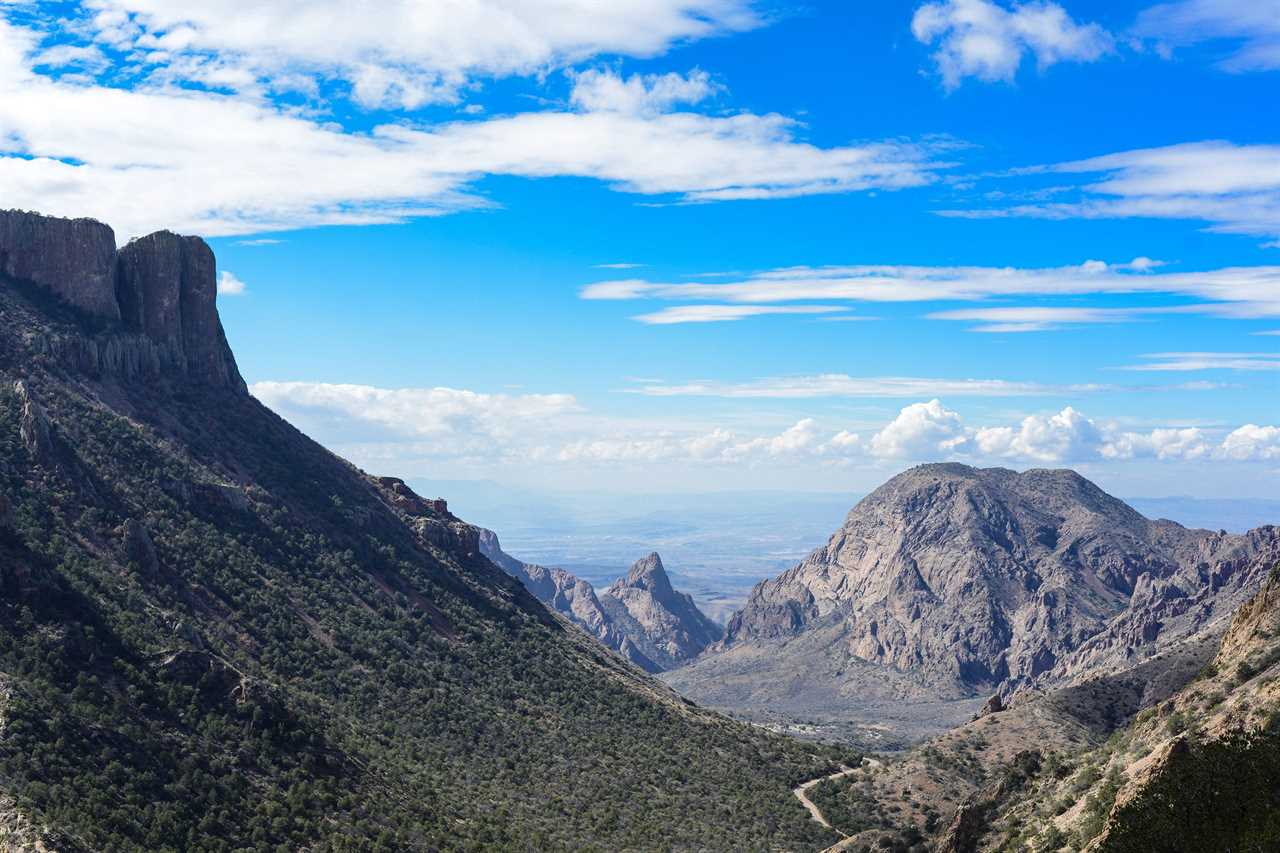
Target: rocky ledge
[153,302]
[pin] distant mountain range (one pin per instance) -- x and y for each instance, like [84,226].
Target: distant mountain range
[640,616]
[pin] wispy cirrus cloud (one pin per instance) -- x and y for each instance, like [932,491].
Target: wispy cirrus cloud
[843,385]
[1251,27]
[1235,292]
[1233,188]
[1195,361]
[727,313]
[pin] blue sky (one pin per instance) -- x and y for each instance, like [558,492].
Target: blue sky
[703,244]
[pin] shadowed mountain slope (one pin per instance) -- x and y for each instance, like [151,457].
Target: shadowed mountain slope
[217,635]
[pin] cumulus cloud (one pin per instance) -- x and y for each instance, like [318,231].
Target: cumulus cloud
[1252,443]
[1233,188]
[1232,292]
[986,40]
[921,431]
[229,285]
[132,157]
[1064,437]
[411,53]
[1252,25]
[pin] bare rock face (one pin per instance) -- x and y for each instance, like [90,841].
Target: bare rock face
[73,258]
[641,616]
[157,297]
[33,425]
[970,581]
[665,624]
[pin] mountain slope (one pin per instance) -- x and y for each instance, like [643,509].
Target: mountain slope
[214,634]
[950,582]
[640,616]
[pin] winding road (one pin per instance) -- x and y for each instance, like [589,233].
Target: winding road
[802,795]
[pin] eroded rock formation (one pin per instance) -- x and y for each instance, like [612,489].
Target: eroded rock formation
[151,305]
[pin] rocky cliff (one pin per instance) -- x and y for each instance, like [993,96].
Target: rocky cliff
[641,616]
[965,581]
[664,623]
[145,312]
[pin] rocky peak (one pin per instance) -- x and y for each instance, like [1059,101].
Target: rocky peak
[157,297]
[648,574]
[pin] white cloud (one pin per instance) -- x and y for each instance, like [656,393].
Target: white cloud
[982,39]
[599,90]
[1034,319]
[1252,443]
[456,422]
[229,285]
[843,385]
[408,53]
[1163,444]
[147,159]
[1253,24]
[410,427]
[727,313]
[1064,437]
[1234,188]
[1233,291]
[1193,361]
[920,431]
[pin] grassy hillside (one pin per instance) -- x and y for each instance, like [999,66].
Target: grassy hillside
[215,635]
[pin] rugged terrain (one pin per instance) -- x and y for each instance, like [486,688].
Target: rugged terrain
[950,583]
[216,635]
[1180,753]
[640,616]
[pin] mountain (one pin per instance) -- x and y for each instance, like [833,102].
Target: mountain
[217,635]
[949,583]
[640,616]
[665,625]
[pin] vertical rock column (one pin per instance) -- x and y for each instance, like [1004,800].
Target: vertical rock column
[167,291]
[73,258]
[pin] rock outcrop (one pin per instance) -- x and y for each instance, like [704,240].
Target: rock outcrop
[75,259]
[641,616]
[666,625]
[152,304]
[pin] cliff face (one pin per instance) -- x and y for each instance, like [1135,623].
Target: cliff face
[664,623]
[151,306]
